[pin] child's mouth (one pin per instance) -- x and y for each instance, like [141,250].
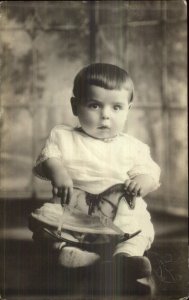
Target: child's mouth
[104,127]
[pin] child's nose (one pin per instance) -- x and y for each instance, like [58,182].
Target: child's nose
[105,113]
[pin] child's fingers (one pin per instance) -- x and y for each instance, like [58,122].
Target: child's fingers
[136,189]
[131,187]
[54,191]
[127,182]
[67,200]
[70,193]
[63,195]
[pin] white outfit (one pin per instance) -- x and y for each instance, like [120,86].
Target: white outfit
[95,165]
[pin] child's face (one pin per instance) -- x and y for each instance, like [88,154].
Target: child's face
[103,113]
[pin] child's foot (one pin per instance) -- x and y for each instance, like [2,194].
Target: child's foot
[134,267]
[72,257]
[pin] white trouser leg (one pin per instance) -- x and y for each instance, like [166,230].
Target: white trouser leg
[135,246]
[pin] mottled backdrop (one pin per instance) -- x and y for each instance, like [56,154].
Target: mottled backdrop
[43,45]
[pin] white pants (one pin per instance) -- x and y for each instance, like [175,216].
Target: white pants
[135,246]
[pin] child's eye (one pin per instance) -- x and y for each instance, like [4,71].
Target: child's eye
[94,106]
[117,107]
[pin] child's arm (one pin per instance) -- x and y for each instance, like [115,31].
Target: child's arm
[60,179]
[141,185]
[144,175]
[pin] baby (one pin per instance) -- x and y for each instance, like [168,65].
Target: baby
[98,155]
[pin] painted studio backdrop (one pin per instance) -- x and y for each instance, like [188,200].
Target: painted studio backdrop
[44,44]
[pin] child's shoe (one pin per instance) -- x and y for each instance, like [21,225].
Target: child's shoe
[133,275]
[72,257]
[134,267]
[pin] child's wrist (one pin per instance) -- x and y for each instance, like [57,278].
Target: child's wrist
[59,174]
[52,163]
[52,168]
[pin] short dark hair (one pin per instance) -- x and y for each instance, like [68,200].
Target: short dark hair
[104,75]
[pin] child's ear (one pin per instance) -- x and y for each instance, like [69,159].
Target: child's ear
[74,103]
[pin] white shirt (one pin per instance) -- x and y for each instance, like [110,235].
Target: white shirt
[93,164]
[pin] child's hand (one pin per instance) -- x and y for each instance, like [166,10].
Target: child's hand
[133,188]
[140,186]
[62,186]
[60,179]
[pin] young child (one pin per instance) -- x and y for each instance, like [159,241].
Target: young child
[98,155]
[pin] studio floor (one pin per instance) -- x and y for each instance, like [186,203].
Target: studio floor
[27,273]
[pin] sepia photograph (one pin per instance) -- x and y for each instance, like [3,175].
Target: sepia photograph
[93,150]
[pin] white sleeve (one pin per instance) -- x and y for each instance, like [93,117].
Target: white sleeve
[144,164]
[50,150]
